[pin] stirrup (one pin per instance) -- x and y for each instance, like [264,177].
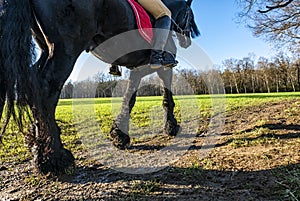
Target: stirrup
[114,70]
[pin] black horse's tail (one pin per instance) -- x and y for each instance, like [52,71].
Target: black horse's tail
[17,53]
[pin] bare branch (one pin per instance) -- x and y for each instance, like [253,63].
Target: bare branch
[270,8]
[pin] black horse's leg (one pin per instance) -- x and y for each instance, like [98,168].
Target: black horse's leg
[120,127]
[170,126]
[2,94]
[49,154]
[2,87]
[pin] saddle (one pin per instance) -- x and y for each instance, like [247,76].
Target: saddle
[143,21]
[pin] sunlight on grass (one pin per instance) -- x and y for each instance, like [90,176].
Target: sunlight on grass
[13,148]
[73,115]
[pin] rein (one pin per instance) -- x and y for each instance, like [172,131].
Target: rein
[178,27]
[187,17]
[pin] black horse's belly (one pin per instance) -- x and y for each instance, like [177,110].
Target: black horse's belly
[3,5]
[126,49]
[119,42]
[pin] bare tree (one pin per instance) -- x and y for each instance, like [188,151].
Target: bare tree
[263,67]
[231,65]
[297,69]
[278,21]
[67,91]
[228,80]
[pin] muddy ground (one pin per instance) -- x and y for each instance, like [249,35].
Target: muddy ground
[256,158]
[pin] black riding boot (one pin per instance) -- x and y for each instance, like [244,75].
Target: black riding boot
[169,60]
[161,34]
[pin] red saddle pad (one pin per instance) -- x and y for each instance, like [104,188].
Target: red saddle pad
[142,20]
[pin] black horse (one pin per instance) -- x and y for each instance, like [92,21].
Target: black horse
[63,29]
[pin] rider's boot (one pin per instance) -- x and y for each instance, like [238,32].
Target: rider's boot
[169,60]
[161,34]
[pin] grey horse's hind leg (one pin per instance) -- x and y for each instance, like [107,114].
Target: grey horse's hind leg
[170,126]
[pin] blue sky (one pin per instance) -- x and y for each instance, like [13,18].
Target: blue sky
[221,37]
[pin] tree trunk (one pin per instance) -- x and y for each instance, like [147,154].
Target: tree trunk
[253,83]
[292,83]
[298,69]
[267,83]
[277,83]
[236,85]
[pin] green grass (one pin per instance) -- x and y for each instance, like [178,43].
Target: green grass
[259,136]
[144,187]
[13,149]
[83,116]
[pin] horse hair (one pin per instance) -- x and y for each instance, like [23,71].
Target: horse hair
[17,56]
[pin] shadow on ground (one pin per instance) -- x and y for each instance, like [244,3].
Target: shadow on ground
[175,183]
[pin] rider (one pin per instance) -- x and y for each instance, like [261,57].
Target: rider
[159,57]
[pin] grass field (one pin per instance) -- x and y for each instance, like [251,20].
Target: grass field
[267,123]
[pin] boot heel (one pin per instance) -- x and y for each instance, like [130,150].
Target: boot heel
[155,66]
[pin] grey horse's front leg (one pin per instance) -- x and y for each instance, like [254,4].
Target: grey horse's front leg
[171,126]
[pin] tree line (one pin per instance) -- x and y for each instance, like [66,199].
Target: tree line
[234,76]
[280,74]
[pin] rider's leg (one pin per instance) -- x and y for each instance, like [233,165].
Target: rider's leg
[161,33]
[170,54]
[156,7]
[162,26]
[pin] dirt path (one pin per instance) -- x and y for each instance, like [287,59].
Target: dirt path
[256,158]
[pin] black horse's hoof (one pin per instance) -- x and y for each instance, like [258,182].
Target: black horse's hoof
[58,162]
[172,130]
[120,139]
